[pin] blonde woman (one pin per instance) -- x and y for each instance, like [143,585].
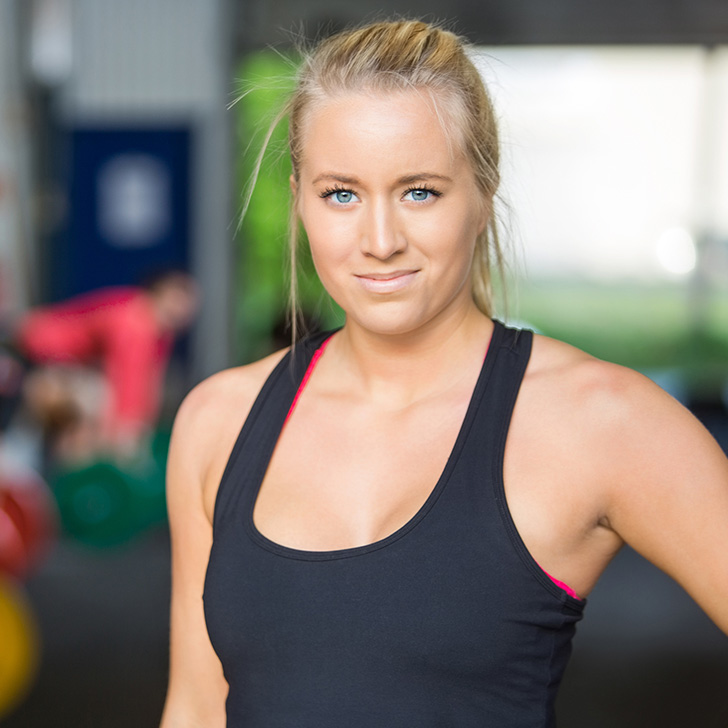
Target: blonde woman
[405,529]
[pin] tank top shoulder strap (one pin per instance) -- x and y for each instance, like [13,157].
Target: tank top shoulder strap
[511,354]
[260,431]
[510,357]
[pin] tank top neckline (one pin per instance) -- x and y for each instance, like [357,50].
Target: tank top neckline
[329,555]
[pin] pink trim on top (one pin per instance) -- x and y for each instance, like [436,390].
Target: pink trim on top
[309,371]
[561,584]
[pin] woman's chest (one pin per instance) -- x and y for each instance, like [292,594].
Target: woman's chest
[341,478]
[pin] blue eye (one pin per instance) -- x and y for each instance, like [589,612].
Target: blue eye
[339,196]
[343,196]
[420,194]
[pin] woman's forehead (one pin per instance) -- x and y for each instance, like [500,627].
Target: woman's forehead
[405,126]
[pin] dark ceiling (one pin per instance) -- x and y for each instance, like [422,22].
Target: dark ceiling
[497,22]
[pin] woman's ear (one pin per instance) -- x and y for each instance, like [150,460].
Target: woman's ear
[485,213]
[294,193]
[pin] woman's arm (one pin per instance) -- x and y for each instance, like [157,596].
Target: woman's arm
[205,431]
[668,488]
[197,688]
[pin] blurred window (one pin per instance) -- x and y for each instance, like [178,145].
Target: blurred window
[615,159]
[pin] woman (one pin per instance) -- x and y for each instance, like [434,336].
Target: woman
[404,531]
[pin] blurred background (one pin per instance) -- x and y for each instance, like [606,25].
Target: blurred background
[123,163]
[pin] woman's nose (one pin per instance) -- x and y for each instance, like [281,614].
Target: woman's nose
[381,236]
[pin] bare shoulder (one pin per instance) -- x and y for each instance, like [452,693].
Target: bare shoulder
[625,432]
[573,411]
[224,396]
[556,363]
[210,418]
[606,400]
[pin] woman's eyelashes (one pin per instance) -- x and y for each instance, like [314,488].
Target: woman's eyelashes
[342,196]
[423,193]
[339,195]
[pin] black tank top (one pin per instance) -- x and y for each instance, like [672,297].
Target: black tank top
[447,622]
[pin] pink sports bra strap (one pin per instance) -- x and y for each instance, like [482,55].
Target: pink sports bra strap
[561,584]
[307,376]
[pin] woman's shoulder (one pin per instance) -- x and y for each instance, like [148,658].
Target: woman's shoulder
[610,432]
[587,385]
[212,414]
[227,391]
[611,411]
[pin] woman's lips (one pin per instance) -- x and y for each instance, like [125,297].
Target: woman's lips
[386,282]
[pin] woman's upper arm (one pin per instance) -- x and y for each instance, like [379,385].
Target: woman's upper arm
[197,688]
[205,431]
[668,494]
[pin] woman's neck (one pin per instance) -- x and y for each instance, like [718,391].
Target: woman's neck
[402,369]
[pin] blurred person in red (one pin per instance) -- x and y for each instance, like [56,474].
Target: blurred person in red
[100,362]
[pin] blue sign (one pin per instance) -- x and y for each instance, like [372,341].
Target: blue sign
[129,211]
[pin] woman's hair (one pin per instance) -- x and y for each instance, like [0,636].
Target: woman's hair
[402,55]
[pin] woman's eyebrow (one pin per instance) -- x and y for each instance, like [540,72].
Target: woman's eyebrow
[405,180]
[335,177]
[421,177]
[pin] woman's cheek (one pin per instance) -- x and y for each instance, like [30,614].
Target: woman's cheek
[325,261]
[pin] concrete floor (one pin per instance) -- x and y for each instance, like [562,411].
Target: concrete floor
[103,618]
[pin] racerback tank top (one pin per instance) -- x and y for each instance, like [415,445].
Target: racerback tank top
[447,622]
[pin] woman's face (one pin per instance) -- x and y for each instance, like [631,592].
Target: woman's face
[391,209]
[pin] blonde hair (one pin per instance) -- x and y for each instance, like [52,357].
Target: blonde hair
[400,55]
